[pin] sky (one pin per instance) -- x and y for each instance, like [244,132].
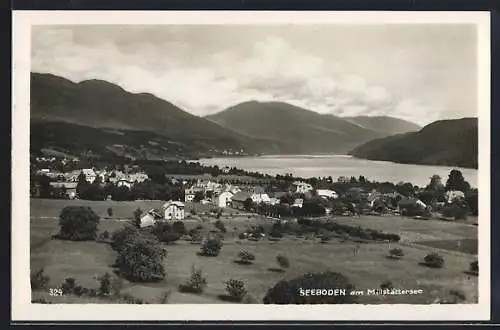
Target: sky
[416,72]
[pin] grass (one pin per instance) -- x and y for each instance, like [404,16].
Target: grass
[467,245]
[86,260]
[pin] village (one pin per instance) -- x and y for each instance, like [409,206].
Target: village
[285,201]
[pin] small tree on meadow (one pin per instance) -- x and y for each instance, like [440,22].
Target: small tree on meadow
[220,225]
[283,262]
[246,257]
[474,267]
[78,223]
[39,281]
[197,282]
[235,289]
[396,253]
[123,237]
[433,260]
[179,227]
[110,212]
[137,217]
[211,247]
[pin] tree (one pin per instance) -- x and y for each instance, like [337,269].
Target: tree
[434,260]
[123,237]
[295,291]
[198,196]
[456,181]
[142,261]
[211,247]
[78,223]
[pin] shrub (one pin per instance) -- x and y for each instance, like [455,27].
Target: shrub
[165,233]
[123,237]
[103,236]
[141,261]
[68,286]
[294,291]
[110,212]
[396,253]
[386,285]
[179,227]
[78,223]
[474,267]
[283,261]
[434,260]
[242,235]
[220,225]
[211,247]
[109,285]
[246,257]
[196,283]
[236,289]
[137,217]
[39,281]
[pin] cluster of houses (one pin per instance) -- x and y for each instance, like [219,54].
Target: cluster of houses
[227,195]
[69,180]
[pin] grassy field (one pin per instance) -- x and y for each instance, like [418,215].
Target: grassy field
[86,260]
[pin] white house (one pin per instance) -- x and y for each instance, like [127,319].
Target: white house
[223,199]
[124,183]
[451,195]
[302,187]
[327,193]
[89,174]
[149,218]
[173,210]
[261,198]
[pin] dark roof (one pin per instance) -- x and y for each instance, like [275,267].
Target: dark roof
[241,196]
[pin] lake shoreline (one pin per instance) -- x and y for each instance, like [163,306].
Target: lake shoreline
[315,165]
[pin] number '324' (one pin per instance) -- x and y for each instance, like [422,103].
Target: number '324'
[55,292]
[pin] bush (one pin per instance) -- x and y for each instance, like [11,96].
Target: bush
[246,257]
[123,237]
[236,289]
[103,236]
[196,284]
[434,260]
[78,223]
[294,291]
[211,247]
[39,281]
[396,253]
[165,233]
[386,285]
[179,227]
[109,285]
[220,225]
[68,286]
[283,261]
[142,260]
[474,267]
[110,212]
[242,235]
[137,217]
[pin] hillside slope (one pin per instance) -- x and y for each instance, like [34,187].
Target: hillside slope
[444,142]
[300,130]
[59,104]
[384,124]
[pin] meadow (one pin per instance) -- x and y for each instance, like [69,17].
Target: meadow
[368,270]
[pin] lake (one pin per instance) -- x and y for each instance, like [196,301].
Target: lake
[340,165]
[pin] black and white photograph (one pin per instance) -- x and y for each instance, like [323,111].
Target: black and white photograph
[255,160]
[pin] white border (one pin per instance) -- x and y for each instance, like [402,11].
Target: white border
[23,310]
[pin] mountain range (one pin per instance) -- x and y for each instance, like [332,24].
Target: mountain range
[100,118]
[444,142]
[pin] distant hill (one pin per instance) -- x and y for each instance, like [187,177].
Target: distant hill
[300,130]
[384,124]
[444,142]
[63,111]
